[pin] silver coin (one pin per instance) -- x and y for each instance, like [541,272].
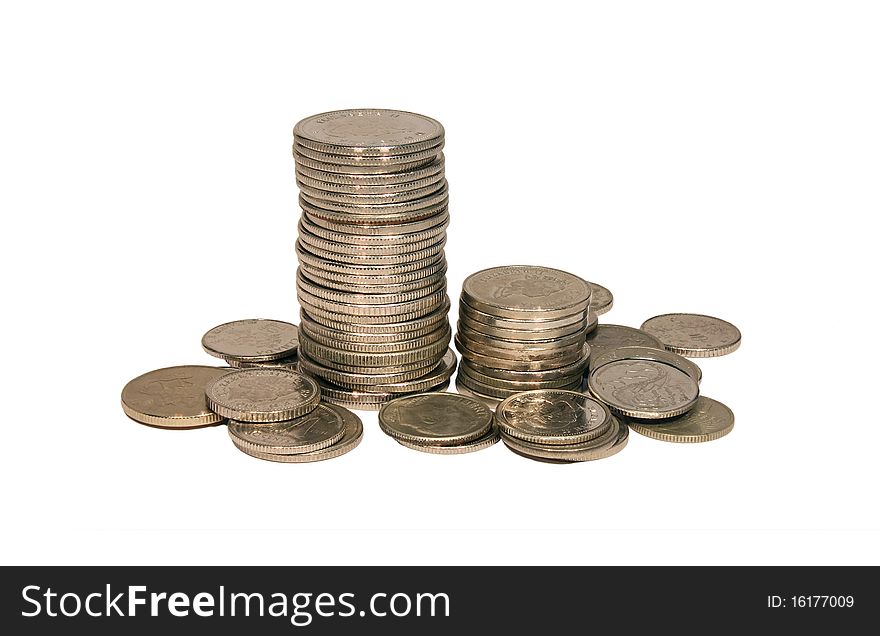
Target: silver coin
[552,417]
[440,197]
[434,168]
[316,278]
[426,322]
[526,292]
[609,443]
[352,298]
[576,338]
[430,381]
[389,312]
[317,164]
[576,368]
[708,420]
[385,218]
[601,298]
[650,353]
[341,335]
[352,228]
[369,189]
[308,257]
[511,334]
[606,337]
[519,385]
[362,276]
[368,131]
[252,340]
[368,258]
[438,419]
[342,245]
[694,335]
[368,199]
[551,354]
[644,389]
[262,395]
[385,360]
[355,379]
[576,318]
[401,342]
[354,432]
[499,391]
[515,365]
[387,161]
[422,364]
[401,238]
[481,443]
[320,428]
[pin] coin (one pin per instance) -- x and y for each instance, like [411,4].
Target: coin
[560,356]
[518,385]
[552,416]
[439,419]
[367,401]
[601,298]
[500,392]
[320,428]
[312,259]
[376,215]
[326,166]
[606,337]
[262,395]
[430,381]
[427,322]
[430,202]
[384,359]
[356,298]
[371,314]
[359,379]
[433,169]
[367,257]
[342,334]
[577,338]
[354,433]
[342,245]
[577,368]
[650,353]
[645,389]
[388,163]
[694,335]
[578,318]
[519,334]
[526,292]
[352,227]
[394,343]
[254,340]
[516,365]
[706,421]
[597,448]
[173,397]
[368,131]
[489,439]
[306,179]
[315,277]
[403,236]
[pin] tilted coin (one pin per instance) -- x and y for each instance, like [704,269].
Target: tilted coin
[263,395]
[601,298]
[694,335]
[596,448]
[354,433]
[489,439]
[606,337]
[434,169]
[706,421]
[579,318]
[552,416]
[320,428]
[253,340]
[645,389]
[173,397]
[367,131]
[650,353]
[440,419]
[526,292]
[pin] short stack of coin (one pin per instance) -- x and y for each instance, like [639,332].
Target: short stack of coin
[372,276]
[255,342]
[276,414]
[559,426]
[522,327]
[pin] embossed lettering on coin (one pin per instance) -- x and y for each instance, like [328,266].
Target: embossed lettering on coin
[552,416]
[644,388]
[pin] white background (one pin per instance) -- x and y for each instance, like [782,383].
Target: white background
[720,158]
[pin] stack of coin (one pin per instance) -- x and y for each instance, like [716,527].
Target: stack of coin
[559,426]
[439,423]
[372,278]
[522,327]
[275,414]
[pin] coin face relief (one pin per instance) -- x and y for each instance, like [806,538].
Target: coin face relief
[263,395]
[552,416]
[173,397]
[435,418]
[643,388]
[252,340]
[694,335]
[521,291]
[365,128]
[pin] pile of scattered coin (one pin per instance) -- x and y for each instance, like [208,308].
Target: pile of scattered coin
[522,327]
[559,426]
[439,423]
[372,278]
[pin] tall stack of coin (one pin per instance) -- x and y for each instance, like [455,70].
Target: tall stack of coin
[372,278]
[522,327]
